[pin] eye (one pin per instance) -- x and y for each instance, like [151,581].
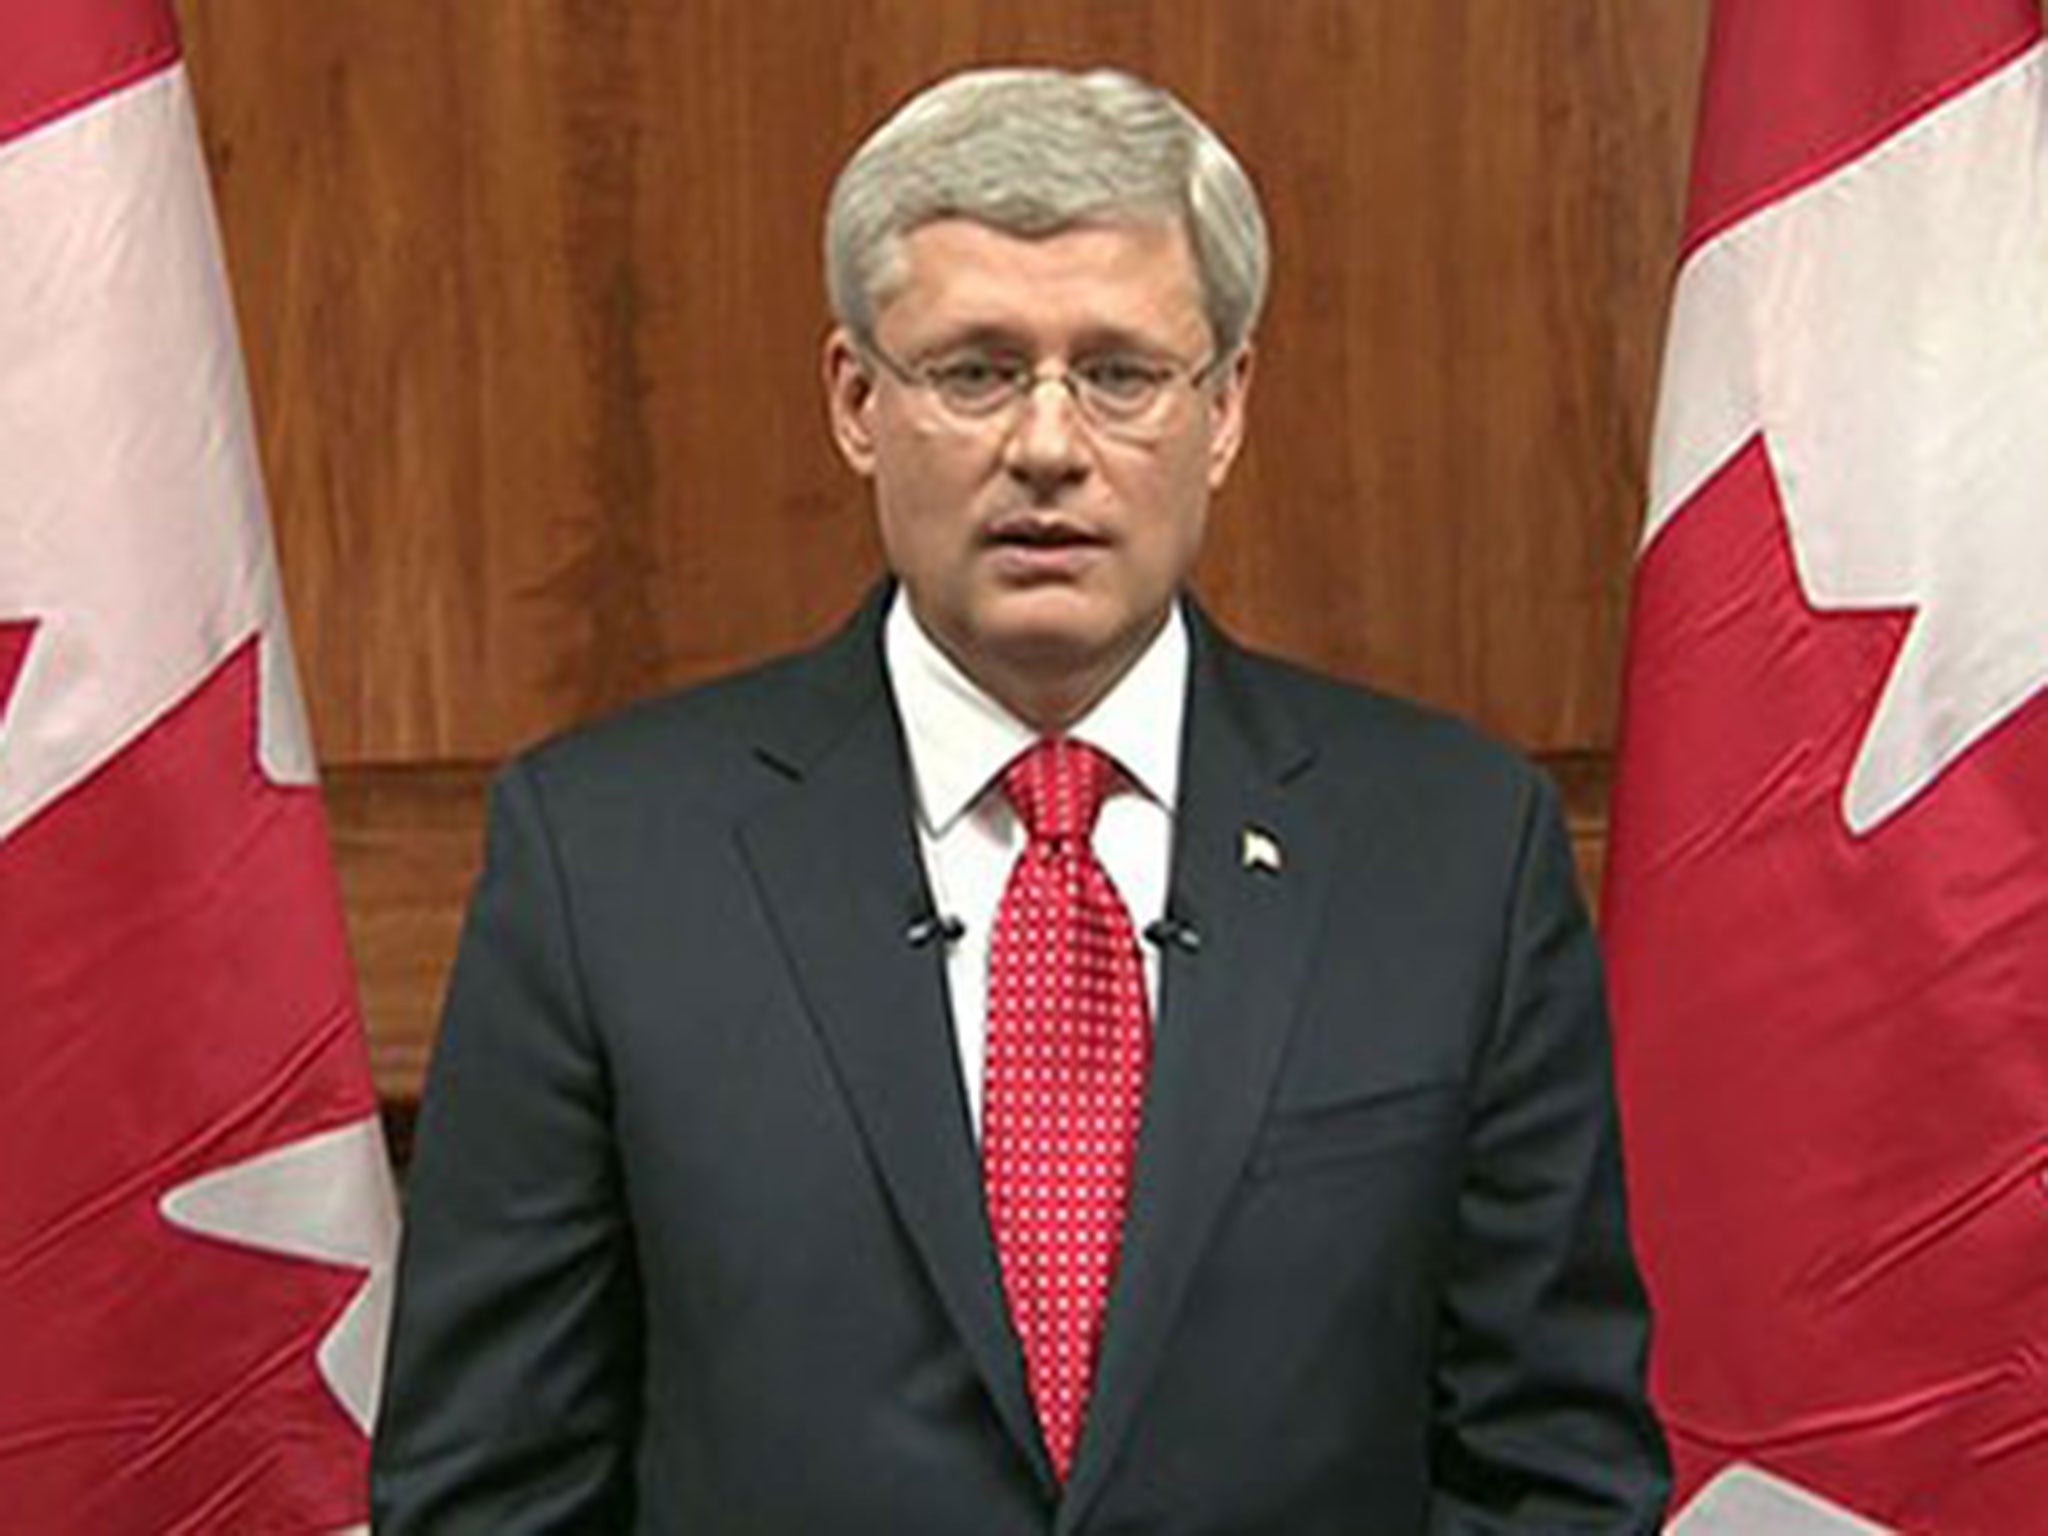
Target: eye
[974,379]
[1121,380]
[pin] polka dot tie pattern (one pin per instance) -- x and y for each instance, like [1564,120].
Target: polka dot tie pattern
[1069,1042]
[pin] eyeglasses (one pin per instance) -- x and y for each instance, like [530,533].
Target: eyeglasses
[1125,395]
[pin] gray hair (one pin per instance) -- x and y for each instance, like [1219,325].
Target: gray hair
[1032,152]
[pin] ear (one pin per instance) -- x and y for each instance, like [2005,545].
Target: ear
[1227,415]
[850,398]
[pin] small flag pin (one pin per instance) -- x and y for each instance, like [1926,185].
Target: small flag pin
[1261,851]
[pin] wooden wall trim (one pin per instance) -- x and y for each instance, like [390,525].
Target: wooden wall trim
[408,842]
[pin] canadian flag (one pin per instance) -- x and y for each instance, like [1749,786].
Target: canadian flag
[1827,893]
[196,1216]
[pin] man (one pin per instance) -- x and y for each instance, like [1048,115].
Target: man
[1028,1065]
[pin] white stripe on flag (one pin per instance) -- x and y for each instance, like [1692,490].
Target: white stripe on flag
[135,526]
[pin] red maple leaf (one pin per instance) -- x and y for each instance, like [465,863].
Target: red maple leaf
[14,643]
[1834,1049]
[175,996]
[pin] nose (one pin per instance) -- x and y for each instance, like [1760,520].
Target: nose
[1045,447]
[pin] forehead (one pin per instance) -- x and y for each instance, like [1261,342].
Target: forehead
[1135,280]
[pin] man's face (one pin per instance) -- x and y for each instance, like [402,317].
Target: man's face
[1040,551]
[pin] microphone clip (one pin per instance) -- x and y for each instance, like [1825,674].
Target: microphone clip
[934,927]
[1172,932]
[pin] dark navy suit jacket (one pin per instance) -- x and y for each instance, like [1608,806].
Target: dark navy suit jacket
[696,1242]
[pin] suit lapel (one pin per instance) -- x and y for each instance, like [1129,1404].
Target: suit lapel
[838,867]
[1226,1009]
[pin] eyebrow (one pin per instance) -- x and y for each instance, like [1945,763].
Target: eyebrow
[980,338]
[1091,342]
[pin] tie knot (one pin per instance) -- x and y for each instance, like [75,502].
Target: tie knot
[1058,787]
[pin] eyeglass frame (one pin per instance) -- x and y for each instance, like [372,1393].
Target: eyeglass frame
[1025,381]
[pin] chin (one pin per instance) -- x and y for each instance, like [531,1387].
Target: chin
[1075,639]
[1055,622]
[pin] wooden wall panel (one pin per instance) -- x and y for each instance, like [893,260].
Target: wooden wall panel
[529,293]
[1475,207]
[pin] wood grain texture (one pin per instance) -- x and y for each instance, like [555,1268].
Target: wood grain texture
[531,302]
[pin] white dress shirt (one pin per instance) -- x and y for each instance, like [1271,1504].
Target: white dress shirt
[960,739]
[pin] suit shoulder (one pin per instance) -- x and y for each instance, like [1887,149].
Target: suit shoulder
[697,744]
[1364,730]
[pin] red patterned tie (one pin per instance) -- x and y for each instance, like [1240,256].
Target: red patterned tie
[1069,1037]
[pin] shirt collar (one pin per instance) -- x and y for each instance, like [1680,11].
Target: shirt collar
[959,738]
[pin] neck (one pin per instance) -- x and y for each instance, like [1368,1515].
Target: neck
[1051,705]
[1050,693]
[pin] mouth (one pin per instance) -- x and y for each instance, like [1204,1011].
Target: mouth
[1036,532]
[1036,549]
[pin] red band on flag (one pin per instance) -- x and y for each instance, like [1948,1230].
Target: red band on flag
[59,55]
[196,1222]
[1826,905]
[1840,75]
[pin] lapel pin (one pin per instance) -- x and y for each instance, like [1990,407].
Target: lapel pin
[1260,851]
